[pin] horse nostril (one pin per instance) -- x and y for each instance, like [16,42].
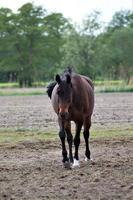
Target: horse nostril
[62,115]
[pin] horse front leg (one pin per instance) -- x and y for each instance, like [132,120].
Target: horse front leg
[69,139]
[62,136]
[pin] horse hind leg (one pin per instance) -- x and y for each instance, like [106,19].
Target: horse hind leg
[86,133]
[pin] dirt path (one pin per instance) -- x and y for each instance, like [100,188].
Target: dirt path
[34,171]
[36,112]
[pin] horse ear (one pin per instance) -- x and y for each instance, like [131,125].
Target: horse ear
[68,78]
[57,78]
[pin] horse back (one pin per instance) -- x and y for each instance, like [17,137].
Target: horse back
[88,80]
[83,94]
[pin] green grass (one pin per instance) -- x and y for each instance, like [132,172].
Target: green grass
[40,84]
[16,91]
[112,86]
[14,136]
[9,85]
[16,85]
[12,93]
[109,82]
[21,91]
[113,132]
[106,89]
[12,89]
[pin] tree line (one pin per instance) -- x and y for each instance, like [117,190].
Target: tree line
[34,45]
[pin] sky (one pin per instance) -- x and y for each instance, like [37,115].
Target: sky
[77,10]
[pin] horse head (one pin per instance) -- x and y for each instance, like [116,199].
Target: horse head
[64,92]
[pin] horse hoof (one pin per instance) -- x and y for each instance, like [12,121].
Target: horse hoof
[67,165]
[88,160]
[76,163]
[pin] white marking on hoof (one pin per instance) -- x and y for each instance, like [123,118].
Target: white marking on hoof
[86,159]
[75,163]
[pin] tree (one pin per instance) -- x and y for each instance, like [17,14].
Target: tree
[6,45]
[55,27]
[121,19]
[34,39]
[91,24]
[121,44]
[35,45]
[28,24]
[79,48]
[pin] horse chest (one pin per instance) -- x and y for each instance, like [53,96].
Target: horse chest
[76,115]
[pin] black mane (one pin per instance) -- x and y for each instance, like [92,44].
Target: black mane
[68,70]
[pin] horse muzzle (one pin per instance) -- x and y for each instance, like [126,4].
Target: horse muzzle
[64,115]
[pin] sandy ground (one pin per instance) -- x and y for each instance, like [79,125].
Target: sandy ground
[36,112]
[33,170]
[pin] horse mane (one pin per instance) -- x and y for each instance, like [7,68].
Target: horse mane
[68,70]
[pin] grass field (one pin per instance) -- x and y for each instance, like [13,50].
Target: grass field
[31,156]
[21,91]
[112,86]
[14,136]
[12,89]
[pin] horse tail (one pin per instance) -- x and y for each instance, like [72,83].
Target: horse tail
[50,88]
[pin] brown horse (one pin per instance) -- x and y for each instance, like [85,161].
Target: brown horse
[72,97]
